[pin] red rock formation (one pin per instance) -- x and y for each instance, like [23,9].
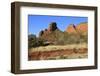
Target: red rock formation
[71,29]
[81,28]
[48,34]
[52,33]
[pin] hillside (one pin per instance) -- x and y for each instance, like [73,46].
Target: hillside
[72,34]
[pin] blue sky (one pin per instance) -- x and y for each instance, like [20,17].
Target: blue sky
[36,23]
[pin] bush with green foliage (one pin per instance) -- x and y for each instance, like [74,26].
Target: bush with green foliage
[33,41]
[66,38]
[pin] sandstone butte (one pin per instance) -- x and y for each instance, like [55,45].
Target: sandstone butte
[80,28]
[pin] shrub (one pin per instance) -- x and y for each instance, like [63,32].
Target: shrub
[33,41]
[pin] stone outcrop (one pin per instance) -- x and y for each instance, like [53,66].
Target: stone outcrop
[71,29]
[52,27]
[77,29]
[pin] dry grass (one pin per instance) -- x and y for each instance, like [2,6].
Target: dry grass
[58,47]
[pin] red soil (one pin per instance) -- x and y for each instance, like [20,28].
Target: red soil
[44,55]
